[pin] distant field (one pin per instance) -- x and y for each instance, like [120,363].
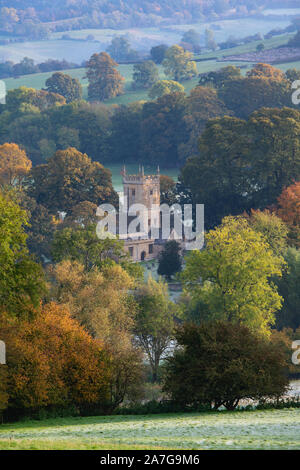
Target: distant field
[38,81]
[273,429]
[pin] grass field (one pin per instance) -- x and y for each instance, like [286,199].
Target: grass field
[272,429]
[38,80]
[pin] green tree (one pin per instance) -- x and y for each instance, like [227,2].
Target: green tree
[170,259]
[229,279]
[163,129]
[288,288]
[244,164]
[145,74]
[21,279]
[178,64]
[167,190]
[158,53]
[210,42]
[218,364]
[154,322]
[104,79]
[64,85]
[70,177]
[217,78]
[79,243]
[272,228]
[120,50]
[193,38]
[165,87]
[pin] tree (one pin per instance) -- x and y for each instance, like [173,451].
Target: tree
[21,279]
[247,94]
[288,288]
[104,80]
[170,259]
[163,129]
[145,74]
[178,64]
[244,164]
[271,227]
[229,279]
[210,42]
[193,38]
[289,211]
[120,50]
[64,85]
[218,78]
[217,177]
[165,87]
[260,47]
[158,53]
[81,243]
[167,190]
[203,104]
[14,165]
[155,321]
[266,71]
[100,301]
[218,364]
[52,361]
[70,177]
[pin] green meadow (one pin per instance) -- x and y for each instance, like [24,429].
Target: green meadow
[209,62]
[253,430]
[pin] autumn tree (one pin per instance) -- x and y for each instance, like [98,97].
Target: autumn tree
[51,360]
[246,94]
[165,87]
[178,64]
[101,303]
[289,211]
[70,177]
[145,75]
[218,78]
[104,80]
[218,364]
[155,321]
[266,71]
[64,85]
[229,279]
[14,165]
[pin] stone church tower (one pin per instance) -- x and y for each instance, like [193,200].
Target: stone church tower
[145,190]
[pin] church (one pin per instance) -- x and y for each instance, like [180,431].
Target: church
[145,190]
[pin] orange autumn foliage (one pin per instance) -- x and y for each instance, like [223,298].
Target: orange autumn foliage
[14,164]
[289,205]
[52,360]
